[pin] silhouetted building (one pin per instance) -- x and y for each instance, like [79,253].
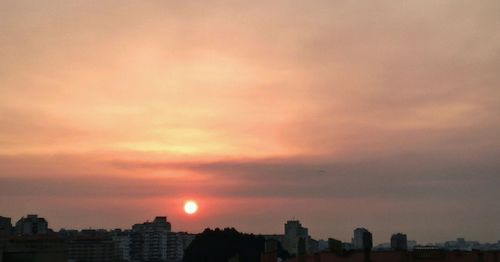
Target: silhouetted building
[5,226]
[92,249]
[276,237]
[426,254]
[347,246]
[177,242]
[411,244]
[399,242]
[293,233]
[122,244]
[149,240]
[461,244]
[33,249]
[67,233]
[383,247]
[312,245]
[334,245]
[270,253]
[32,225]
[362,239]
[301,249]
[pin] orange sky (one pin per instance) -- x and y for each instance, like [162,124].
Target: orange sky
[339,114]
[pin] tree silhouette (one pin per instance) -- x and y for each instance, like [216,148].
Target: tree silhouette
[220,245]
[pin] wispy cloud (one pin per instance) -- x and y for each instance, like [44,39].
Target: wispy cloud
[253,105]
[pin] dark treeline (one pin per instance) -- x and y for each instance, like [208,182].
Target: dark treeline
[221,245]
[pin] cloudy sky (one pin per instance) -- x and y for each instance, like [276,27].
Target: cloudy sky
[338,113]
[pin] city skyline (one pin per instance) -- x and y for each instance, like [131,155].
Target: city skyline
[344,115]
[292,227]
[32,238]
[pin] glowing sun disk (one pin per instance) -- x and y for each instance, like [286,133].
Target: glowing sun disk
[190,207]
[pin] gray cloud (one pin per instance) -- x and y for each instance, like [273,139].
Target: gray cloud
[403,177]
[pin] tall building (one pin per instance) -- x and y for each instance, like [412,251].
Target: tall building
[5,226]
[32,225]
[148,241]
[399,242]
[294,232]
[362,239]
[122,245]
[177,242]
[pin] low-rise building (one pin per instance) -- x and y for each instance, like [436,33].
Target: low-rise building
[33,249]
[32,225]
[92,249]
[5,226]
[430,254]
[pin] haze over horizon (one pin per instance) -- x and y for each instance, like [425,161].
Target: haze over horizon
[379,115]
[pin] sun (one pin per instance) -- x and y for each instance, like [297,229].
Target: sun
[190,207]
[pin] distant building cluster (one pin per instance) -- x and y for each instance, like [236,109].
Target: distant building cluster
[145,242]
[31,239]
[424,254]
[298,243]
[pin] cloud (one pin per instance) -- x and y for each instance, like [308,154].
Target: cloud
[403,177]
[413,176]
[337,104]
